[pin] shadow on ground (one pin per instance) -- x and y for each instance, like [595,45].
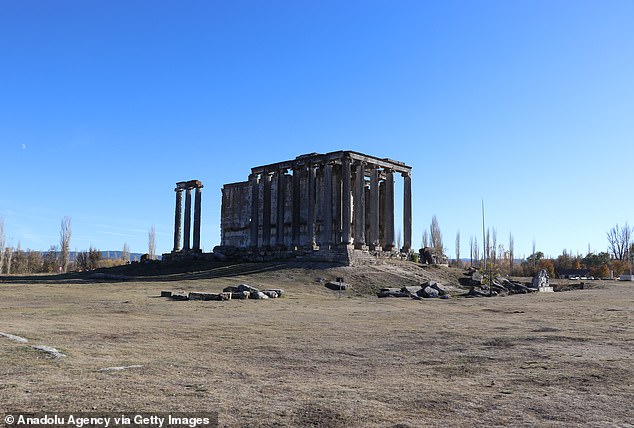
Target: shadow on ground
[160,271]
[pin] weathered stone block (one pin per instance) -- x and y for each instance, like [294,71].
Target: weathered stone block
[257,295]
[240,288]
[179,296]
[336,286]
[411,289]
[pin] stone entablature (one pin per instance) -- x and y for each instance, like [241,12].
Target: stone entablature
[317,202]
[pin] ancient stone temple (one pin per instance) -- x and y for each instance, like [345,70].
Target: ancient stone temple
[320,205]
[187,187]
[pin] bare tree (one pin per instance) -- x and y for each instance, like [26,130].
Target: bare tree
[125,253]
[19,262]
[64,243]
[511,255]
[619,241]
[2,243]
[534,258]
[49,259]
[398,239]
[458,248]
[94,256]
[8,256]
[494,245]
[436,237]
[151,243]
[471,249]
[81,261]
[425,239]
[476,250]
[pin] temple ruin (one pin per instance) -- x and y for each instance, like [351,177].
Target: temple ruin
[187,247]
[336,206]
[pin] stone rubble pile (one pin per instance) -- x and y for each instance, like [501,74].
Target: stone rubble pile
[242,291]
[427,290]
[500,286]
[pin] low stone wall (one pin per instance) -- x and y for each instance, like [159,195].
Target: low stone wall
[345,255]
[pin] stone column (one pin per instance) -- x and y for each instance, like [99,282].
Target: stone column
[374,208]
[359,207]
[336,203]
[178,219]
[197,215]
[389,210]
[266,210]
[297,198]
[327,208]
[188,219]
[407,212]
[382,213]
[255,209]
[279,225]
[346,177]
[310,220]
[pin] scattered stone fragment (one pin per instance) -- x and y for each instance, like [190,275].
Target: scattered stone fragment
[238,288]
[428,292]
[258,295]
[272,294]
[179,296]
[14,337]
[541,281]
[392,292]
[166,294]
[240,295]
[477,278]
[51,351]
[200,296]
[475,293]
[279,291]
[119,368]
[437,287]
[332,285]
[411,289]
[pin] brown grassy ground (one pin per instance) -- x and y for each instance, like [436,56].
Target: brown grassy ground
[315,359]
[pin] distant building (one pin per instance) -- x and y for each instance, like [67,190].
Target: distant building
[572,273]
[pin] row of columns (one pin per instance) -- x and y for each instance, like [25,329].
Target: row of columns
[339,198]
[187,187]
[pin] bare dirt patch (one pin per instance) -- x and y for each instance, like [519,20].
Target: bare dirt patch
[313,358]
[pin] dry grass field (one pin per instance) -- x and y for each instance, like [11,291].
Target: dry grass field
[313,358]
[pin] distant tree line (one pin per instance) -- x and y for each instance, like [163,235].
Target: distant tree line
[618,259]
[16,261]
[500,259]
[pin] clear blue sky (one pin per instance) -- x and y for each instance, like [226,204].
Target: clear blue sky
[527,105]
